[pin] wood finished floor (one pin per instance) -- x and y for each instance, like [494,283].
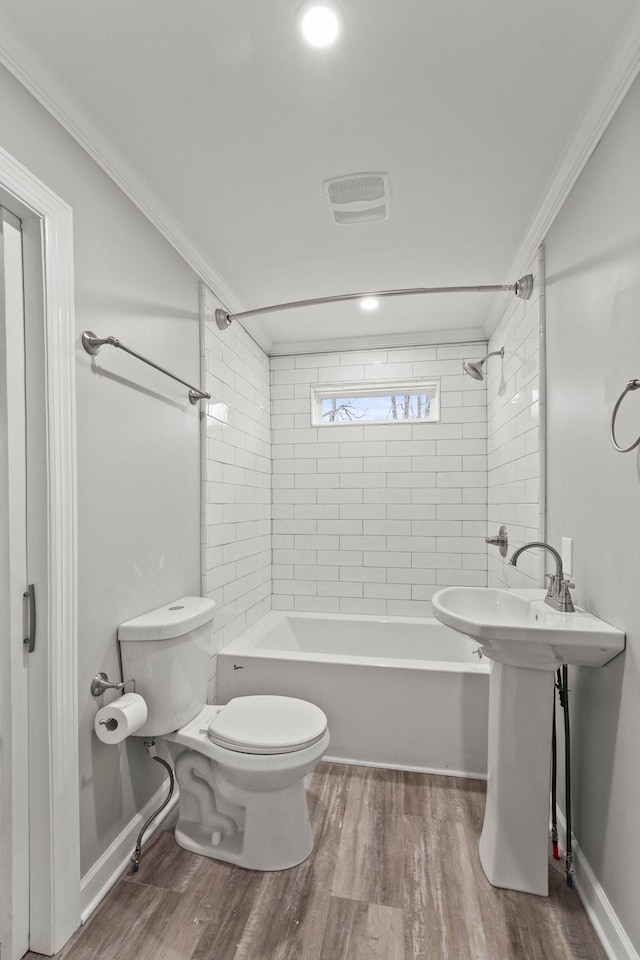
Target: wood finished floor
[394,875]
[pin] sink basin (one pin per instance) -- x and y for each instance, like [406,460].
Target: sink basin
[517,627]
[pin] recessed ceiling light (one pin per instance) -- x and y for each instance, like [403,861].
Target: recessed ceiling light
[369,303]
[319,24]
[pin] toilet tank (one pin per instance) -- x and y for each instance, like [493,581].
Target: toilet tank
[167,653]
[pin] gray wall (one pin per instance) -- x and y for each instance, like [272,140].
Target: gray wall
[593,348]
[138,438]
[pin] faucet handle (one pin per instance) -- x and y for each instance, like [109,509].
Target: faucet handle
[565,598]
[556,586]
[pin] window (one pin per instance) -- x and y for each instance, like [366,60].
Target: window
[376,401]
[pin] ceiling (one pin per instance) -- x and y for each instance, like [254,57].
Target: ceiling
[229,118]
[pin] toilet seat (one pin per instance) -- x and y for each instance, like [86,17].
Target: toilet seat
[267,725]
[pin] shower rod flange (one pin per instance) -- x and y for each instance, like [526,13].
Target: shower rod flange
[522,288]
[223,319]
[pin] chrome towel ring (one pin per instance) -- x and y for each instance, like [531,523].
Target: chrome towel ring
[631,385]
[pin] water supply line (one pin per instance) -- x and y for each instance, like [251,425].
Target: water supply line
[150,747]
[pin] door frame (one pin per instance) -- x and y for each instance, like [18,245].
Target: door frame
[54,801]
[14,665]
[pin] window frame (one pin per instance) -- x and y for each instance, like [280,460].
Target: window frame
[375,388]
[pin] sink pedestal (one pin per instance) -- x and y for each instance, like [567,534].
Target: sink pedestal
[514,843]
[527,640]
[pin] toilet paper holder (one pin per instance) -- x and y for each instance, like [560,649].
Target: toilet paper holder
[101,682]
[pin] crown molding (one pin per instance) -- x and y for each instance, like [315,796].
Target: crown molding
[383,342]
[619,71]
[263,342]
[18,58]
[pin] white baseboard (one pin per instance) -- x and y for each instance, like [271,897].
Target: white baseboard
[603,917]
[400,766]
[106,871]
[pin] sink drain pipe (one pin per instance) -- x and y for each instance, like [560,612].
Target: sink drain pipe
[554,786]
[563,693]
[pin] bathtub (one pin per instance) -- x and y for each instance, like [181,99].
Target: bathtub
[404,693]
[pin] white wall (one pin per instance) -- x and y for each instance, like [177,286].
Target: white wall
[138,439]
[236,471]
[375,519]
[515,436]
[593,348]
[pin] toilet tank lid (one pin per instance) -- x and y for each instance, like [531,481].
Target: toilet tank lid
[171,620]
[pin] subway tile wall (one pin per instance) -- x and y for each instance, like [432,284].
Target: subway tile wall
[376,518]
[236,487]
[515,443]
[366,518]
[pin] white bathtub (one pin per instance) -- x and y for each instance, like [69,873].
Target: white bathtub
[404,692]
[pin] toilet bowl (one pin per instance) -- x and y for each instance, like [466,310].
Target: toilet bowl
[240,766]
[243,799]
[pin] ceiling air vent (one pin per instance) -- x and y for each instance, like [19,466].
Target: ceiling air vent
[358,197]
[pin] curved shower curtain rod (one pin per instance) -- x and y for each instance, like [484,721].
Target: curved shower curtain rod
[522,289]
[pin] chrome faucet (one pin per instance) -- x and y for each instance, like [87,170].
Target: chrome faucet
[558,593]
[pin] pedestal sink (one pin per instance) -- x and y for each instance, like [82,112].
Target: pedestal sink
[528,641]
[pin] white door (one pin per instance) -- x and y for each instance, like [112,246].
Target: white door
[15,618]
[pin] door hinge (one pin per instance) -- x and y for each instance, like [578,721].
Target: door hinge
[30,639]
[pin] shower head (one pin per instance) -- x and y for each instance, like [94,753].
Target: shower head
[474,367]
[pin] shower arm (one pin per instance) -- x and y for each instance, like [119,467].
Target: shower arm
[494,353]
[522,288]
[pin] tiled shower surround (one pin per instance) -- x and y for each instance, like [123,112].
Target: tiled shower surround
[358,518]
[236,488]
[375,518]
[516,422]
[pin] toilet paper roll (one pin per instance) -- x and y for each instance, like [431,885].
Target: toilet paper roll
[121,718]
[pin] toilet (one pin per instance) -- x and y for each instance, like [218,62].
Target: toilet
[240,767]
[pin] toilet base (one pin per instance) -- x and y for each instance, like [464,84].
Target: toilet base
[276,834]
[246,809]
